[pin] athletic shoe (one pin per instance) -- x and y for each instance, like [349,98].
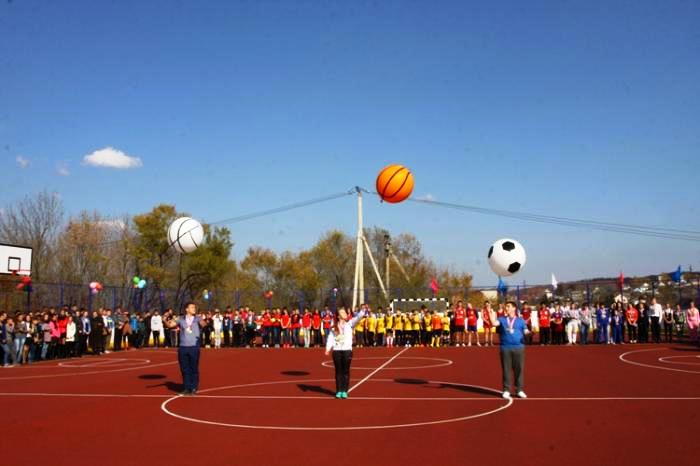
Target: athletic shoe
[339,395]
[506,395]
[185,393]
[478,344]
[521,394]
[193,392]
[344,395]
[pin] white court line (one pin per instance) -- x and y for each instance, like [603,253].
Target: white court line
[622,358]
[329,398]
[164,408]
[81,374]
[377,370]
[441,363]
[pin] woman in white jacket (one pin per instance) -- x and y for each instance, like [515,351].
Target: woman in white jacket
[156,328]
[218,328]
[340,342]
[71,330]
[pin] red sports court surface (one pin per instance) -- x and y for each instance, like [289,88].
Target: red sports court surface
[633,404]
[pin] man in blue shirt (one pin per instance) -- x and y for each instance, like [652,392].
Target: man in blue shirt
[512,330]
[190,326]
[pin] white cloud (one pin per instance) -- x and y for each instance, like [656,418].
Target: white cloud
[62,169]
[427,197]
[110,157]
[22,162]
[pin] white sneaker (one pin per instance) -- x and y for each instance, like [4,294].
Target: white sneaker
[506,395]
[521,394]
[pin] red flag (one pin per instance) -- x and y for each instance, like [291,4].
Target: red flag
[434,285]
[621,280]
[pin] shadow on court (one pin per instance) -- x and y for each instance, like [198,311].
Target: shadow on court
[294,373]
[449,386]
[171,386]
[315,389]
[151,376]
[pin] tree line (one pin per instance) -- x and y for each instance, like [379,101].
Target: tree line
[90,246]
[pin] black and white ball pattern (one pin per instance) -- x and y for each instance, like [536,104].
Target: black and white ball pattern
[185,234]
[506,257]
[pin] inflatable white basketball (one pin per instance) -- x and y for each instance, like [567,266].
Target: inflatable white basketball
[506,257]
[185,234]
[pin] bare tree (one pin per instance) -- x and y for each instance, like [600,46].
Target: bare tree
[35,222]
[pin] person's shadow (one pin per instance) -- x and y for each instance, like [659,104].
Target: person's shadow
[171,386]
[315,389]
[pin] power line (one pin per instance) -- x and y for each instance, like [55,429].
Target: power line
[655,232]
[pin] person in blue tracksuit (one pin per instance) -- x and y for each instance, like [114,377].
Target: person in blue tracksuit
[602,321]
[190,326]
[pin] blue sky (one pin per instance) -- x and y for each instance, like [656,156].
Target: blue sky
[578,109]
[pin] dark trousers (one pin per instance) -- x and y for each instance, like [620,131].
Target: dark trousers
[156,338]
[188,356]
[82,344]
[342,361]
[227,337]
[545,335]
[668,332]
[643,331]
[117,339]
[513,363]
[585,328]
[632,332]
[656,329]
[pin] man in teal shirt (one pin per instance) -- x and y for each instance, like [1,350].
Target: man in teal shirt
[512,330]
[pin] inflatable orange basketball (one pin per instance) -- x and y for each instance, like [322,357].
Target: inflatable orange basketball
[395,183]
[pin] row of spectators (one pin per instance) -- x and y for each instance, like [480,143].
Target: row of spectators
[51,334]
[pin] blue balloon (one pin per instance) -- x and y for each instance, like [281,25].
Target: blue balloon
[142,284]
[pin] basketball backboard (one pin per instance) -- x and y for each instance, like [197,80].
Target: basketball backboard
[15,259]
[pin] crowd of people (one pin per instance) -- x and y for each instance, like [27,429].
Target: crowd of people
[72,332]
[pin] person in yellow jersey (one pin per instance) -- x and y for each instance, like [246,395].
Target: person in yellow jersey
[427,332]
[371,329]
[398,327]
[360,332]
[417,318]
[381,327]
[408,329]
[389,323]
[445,329]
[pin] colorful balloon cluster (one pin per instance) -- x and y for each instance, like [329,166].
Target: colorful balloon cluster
[139,283]
[95,287]
[25,284]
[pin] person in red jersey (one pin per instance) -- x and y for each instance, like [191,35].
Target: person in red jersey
[543,316]
[460,314]
[472,317]
[316,328]
[306,327]
[286,325]
[632,316]
[266,328]
[526,314]
[488,325]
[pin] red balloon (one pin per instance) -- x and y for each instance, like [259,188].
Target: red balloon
[20,286]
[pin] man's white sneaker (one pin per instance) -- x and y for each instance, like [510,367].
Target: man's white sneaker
[506,395]
[521,394]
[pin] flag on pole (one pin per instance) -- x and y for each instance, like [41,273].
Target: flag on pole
[434,286]
[502,287]
[621,280]
[554,282]
[676,276]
